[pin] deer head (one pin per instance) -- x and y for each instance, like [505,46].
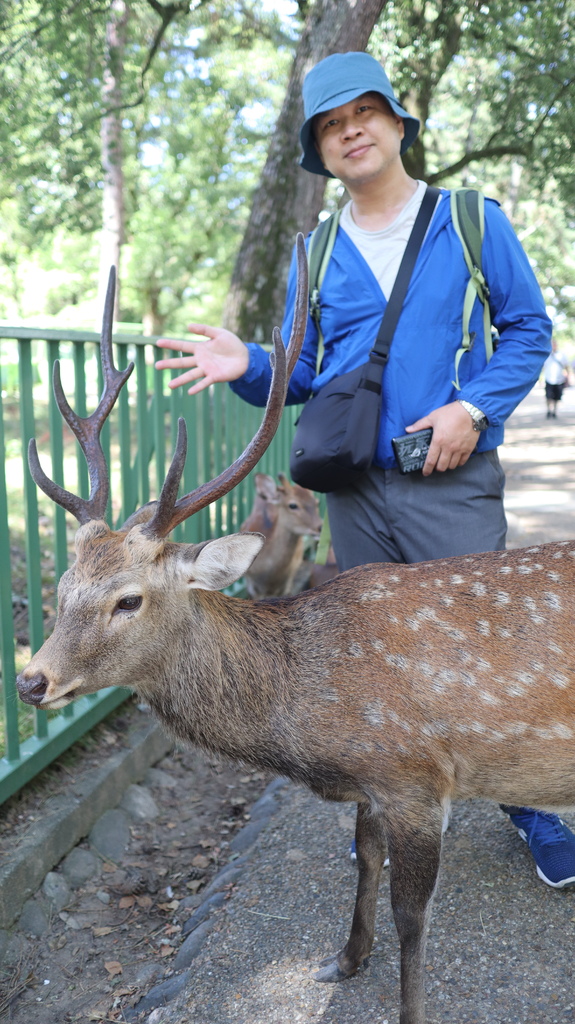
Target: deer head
[122,577]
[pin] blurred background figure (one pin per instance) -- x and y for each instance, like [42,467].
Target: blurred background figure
[555,374]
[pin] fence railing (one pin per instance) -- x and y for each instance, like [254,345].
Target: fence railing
[36,540]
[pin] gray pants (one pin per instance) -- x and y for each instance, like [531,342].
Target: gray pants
[393,518]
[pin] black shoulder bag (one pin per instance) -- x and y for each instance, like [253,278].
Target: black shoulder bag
[337,431]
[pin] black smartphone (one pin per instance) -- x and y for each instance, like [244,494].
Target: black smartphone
[411,450]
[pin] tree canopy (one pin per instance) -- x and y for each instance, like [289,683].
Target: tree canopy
[208,89]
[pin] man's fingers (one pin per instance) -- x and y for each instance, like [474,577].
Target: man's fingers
[185,378]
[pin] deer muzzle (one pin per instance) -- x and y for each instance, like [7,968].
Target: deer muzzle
[34,690]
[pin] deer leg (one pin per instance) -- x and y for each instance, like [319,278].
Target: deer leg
[371,849]
[414,855]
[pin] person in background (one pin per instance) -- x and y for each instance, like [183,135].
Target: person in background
[555,376]
[355,130]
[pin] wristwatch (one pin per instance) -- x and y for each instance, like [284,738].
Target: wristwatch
[480,421]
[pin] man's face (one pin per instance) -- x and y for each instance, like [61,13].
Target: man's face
[359,140]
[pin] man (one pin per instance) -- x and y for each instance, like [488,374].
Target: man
[356,130]
[555,376]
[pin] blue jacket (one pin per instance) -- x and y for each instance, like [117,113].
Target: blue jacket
[421,369]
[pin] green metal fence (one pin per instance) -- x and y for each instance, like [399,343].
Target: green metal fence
[36,537]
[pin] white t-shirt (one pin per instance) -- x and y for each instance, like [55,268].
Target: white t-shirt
[554,368]
[383,250]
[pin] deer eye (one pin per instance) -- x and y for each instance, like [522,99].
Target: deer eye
[293,504]
[129,604]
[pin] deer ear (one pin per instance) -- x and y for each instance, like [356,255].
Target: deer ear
[266,487]
[219,563]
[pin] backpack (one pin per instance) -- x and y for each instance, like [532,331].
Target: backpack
[467,214]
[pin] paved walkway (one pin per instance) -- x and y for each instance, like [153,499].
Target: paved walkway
[500,947]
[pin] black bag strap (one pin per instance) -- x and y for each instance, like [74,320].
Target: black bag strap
[380,351]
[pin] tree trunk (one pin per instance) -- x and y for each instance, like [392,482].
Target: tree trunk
[288,199]
[111,139]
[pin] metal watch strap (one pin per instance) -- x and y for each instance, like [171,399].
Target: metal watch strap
[480,421]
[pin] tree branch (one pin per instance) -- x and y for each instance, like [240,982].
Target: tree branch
[487,153]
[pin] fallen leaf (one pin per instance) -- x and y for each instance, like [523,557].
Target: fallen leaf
[145,902]
[113,967]
[195,884]
[207,843]
[126,902]
[173,905]
[98,932]
[200,861]
[166,950]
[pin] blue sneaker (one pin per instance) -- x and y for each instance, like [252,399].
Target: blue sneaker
[552,844]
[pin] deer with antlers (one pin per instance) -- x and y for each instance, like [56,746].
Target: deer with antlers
[399,687]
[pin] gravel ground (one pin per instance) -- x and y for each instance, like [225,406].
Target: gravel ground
[498,949]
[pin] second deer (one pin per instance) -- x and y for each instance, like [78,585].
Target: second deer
[400,687]
[285,514]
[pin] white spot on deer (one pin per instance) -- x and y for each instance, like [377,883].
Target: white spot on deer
[554,648]
[413,624]
[515,690]
[555,576]
[457,580]
[557,554]
[397,661]
[374,713]
[517,728]
[438,583]
[379,592]
[378,645]
[545,734]
[468,679]
[532,551]
[394,579]
[525,570]
[489,698]
[505,569]
[529,604]
[477,572]
[563,732]
[478,727]
[526,678]
[423,584]
[502,598]
[558,679]
[479,589]
[553,600]
[483,627]
[537,620]
[446,601]
[483,665]
[356,650]
[393,717]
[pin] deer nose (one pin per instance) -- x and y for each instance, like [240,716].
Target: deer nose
[33,690]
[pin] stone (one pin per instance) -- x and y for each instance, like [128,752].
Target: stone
[139,803]
[111,835]
[33,920]
[158,777]
[79,867]
[56,890]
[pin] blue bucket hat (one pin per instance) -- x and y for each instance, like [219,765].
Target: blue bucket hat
[336,80]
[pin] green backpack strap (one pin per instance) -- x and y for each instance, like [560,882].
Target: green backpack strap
[319,254]
[468,216]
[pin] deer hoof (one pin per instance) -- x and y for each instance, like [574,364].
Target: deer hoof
[331,970]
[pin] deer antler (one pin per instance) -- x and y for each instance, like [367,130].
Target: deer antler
[87,429]
[169,512]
